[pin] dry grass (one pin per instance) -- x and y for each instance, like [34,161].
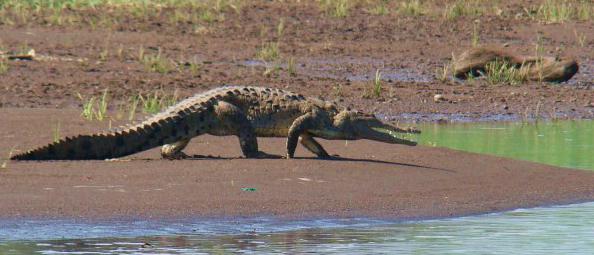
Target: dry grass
[107,13]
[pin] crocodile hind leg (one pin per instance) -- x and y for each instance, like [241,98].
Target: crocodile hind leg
[234,122]
[174,150]
[312,145]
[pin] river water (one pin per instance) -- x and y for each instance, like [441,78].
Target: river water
[549,230]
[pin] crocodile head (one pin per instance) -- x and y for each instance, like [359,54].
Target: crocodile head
[354,125]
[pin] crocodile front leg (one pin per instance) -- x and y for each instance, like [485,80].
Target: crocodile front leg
[312,145]
[298,128]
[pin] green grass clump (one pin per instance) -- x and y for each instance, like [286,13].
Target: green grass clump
[157,101]
[194,67]
[463,8]
[412,8]
[106,13]
[92,109]
[156,62]
[268,52]
[280,28]
[442,74]
[56,132]
[580,38]
[336,8]
[88,107]
[272,69]
[560,11]
[501,72]
[376,89]
[3,66]
[338,90]
[475,40]
[151,103]
[381,8]
[377,84]
[291,69]
[585,10]
[555,11]
[132,106]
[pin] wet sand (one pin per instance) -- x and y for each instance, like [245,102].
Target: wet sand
[371,180]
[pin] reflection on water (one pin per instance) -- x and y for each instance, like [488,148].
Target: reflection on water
[561,143]
[553,230]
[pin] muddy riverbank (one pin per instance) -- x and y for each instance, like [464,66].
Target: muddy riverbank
[299,47]
[371,180]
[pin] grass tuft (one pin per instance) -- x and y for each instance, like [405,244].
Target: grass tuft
[291,68]
[3,66]
[156,63]
[442,74]
[132,106]
[501,72]
[92,109]
[381,8]
[156,102]
[412,8]
[475,34]
[194,66]
[580,38]
[463,8]
[272,69]
[336,8]
[280,28]
[377,84]
[56,132]
[268,52]
[376,89]
[107,13]
[555,11]
[338,91]
[560,11]
[539,52]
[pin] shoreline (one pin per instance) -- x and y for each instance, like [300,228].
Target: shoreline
[279,219]
[23,229]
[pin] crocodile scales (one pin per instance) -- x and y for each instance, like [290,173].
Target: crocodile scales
[246,112]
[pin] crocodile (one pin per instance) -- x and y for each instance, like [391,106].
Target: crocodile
[473,62]
[243,111]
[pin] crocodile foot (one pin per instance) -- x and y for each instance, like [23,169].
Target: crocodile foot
[176,156]
[261,154]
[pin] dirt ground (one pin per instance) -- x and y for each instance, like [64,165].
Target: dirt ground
[371,180]
[334,58]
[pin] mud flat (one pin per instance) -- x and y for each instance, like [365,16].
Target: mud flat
[371,180]
[335,58]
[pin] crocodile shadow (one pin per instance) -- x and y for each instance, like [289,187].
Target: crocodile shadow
[333,158]
[375,161]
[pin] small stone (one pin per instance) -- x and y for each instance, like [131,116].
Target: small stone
[438,97]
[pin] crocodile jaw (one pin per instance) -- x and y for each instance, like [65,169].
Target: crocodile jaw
[381,133]
[384,133]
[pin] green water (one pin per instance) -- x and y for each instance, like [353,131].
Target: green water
[561,143]
[551,230]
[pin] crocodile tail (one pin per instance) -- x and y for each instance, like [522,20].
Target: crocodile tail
[116,144]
